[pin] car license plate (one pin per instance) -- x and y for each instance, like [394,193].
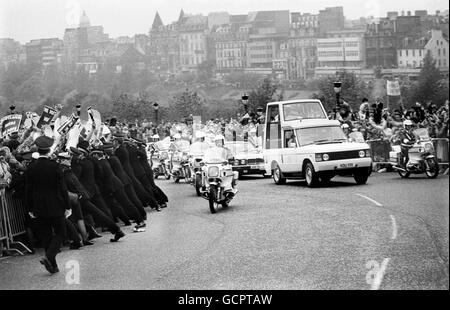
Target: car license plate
[254,167]
[245,171]
[346,165]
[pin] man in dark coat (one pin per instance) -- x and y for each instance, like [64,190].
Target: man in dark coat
[112,187]
[83,167]
[122,153]
[124,178]
[139,171]
[143,160]
[75,186]
[47,200]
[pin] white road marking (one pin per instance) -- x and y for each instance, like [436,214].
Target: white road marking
[379,275]
[370,199]
[394,228]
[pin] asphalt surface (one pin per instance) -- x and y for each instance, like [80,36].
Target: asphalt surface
[388,234]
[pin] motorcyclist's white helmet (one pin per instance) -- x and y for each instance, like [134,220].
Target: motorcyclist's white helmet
[407,123]
[219,137]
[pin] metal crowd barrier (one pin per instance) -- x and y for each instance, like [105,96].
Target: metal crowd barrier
[441,148]
[13,217]
[380,150]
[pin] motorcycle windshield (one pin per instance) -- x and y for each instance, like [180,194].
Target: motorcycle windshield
[422,133]
[215,155]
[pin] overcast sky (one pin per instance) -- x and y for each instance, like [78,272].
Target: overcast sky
[24,20]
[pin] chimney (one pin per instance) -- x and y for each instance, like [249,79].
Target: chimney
[409,13]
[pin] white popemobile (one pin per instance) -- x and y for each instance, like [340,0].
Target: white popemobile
[300,142]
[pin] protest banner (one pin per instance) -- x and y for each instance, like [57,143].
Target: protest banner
[46,116]
[66,126]
[393,88]
[10,124]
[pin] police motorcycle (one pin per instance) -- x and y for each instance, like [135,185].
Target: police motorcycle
[196,155]
[159,158]
[420,153]
[219,179]
[179,163]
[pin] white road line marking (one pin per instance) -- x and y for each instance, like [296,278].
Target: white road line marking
[380,274]
[370,199]
[394,227]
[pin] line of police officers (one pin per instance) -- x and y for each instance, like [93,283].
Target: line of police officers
[67,195]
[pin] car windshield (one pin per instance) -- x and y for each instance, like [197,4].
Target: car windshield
[303,110]
[320,135]
[236,147]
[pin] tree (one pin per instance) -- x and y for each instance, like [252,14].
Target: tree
[185,104]
[263,94]
[127,108]
[353,89]
[429,85]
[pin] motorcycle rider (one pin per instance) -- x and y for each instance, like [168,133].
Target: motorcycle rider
[199,146]
[407,139]
[220,153]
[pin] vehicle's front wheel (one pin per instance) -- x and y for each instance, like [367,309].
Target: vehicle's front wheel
[432,170]
[312,179]
[361,176]
[278,176]
[213,205]
[404,174]
[198,184]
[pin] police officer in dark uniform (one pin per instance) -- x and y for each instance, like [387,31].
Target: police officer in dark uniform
[113,187]
[48,201]
[75,186]
[124,178]
[122,153]
[143,160]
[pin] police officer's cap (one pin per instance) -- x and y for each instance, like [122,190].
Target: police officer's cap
[44,142]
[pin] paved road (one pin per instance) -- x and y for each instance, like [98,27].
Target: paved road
[388,234]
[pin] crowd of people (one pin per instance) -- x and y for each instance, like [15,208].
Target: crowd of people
[375,121]
[103,182]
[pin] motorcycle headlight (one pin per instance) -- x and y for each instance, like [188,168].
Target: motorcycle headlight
[325,157]
[213,172]
[428,147]
[362,154]
[242,161]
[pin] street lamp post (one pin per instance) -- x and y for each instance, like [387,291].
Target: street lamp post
[245,102]
[156,107]
[337,91]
